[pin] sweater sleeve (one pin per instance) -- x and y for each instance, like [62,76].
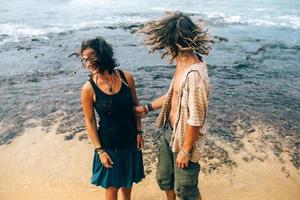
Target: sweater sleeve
[197,99]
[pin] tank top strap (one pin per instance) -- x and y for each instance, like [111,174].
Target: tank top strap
[94,86]
[122,75]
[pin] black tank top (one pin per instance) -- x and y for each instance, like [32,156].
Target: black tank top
[117,124]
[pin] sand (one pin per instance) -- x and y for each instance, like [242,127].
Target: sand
[39,165]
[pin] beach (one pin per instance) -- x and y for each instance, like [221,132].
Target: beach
[39,165]
[252,150]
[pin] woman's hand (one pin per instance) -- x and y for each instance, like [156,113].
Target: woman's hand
[140,141]
[105,160]
[140,111]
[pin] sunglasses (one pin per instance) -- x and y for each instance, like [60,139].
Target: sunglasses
[84,62]
[91,59]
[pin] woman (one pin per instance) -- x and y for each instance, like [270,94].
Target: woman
[118,140]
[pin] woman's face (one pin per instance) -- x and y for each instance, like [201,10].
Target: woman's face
[88,59]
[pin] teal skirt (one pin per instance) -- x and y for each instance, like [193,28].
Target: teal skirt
[127,169]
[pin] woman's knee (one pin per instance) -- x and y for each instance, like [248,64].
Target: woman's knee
[126,193]
[112,189]
[125,190]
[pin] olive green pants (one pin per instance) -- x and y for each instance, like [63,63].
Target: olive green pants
[169,176]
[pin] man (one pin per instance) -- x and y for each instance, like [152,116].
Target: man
[184,106]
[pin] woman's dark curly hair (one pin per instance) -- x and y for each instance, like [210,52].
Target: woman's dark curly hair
[175,33]
[104,55]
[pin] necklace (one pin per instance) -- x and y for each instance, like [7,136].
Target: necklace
[110,85]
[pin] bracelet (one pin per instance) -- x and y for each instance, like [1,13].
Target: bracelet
[185,154]
[101,151]
[98,149]
[149,106]
[140,132]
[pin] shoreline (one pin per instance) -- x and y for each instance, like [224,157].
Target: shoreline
[44,165]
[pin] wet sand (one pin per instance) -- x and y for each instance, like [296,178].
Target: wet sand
[39,165]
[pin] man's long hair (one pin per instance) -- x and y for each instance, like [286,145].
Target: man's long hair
[175,33]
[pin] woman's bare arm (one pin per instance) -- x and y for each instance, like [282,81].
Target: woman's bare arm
[87,101]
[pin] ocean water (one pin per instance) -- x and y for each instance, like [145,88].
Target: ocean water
[254,65]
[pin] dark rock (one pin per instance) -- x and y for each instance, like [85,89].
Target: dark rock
[111,27]
[251,130]
[246,158]
[69,137]
[221,39]
[83,137]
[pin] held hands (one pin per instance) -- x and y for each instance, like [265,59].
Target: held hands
[183,158]
[105,159]
[140,111]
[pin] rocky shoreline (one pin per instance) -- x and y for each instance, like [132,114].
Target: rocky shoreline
[49,94]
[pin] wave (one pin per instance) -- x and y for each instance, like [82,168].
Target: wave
[284,21]
[14,32]
[221,19]
[259,9]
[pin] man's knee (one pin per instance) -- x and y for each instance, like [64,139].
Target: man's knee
[186,182]
[165,182]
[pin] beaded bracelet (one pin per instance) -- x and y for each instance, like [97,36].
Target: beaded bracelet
[140,132]
[149,106]
[99,150]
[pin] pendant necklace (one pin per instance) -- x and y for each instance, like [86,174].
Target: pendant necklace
[110,85]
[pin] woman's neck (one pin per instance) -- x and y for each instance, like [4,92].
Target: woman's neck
[104,76]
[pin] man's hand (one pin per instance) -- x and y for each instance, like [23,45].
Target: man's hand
[182,160]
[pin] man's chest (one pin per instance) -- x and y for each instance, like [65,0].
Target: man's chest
[177,83]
